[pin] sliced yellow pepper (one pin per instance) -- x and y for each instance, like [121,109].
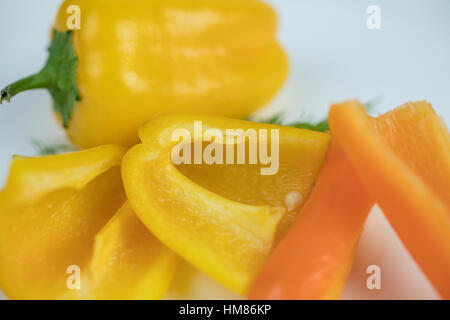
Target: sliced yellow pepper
[129,262]
[222,218]
[50,212]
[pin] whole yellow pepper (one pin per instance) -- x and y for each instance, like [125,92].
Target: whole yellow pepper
[133,59]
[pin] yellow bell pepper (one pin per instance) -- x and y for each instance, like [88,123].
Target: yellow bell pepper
[222,218]
[50,213]
[131,60]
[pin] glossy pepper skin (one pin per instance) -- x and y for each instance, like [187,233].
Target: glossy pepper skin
[63,211]
[137,59]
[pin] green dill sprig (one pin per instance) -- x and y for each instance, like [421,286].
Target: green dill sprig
[321,126]
[44,148]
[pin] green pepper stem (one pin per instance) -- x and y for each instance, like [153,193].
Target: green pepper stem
[58,76]
[40,80]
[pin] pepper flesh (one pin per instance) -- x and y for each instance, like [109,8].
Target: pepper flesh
[128,261]
[53,212]
[221,218]
[314,259]
[403,160]
[141,58]
[50,211]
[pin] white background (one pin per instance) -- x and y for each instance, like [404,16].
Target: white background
[333,57]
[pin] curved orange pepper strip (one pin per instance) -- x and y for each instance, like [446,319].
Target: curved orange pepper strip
[314,259]
[403,159]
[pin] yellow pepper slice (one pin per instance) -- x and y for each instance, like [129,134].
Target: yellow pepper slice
[222,218]
[51,212]
[128,261]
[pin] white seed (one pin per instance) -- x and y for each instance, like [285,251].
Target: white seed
[293,200]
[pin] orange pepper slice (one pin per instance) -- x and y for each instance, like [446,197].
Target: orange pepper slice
[403,160]
[314,258]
